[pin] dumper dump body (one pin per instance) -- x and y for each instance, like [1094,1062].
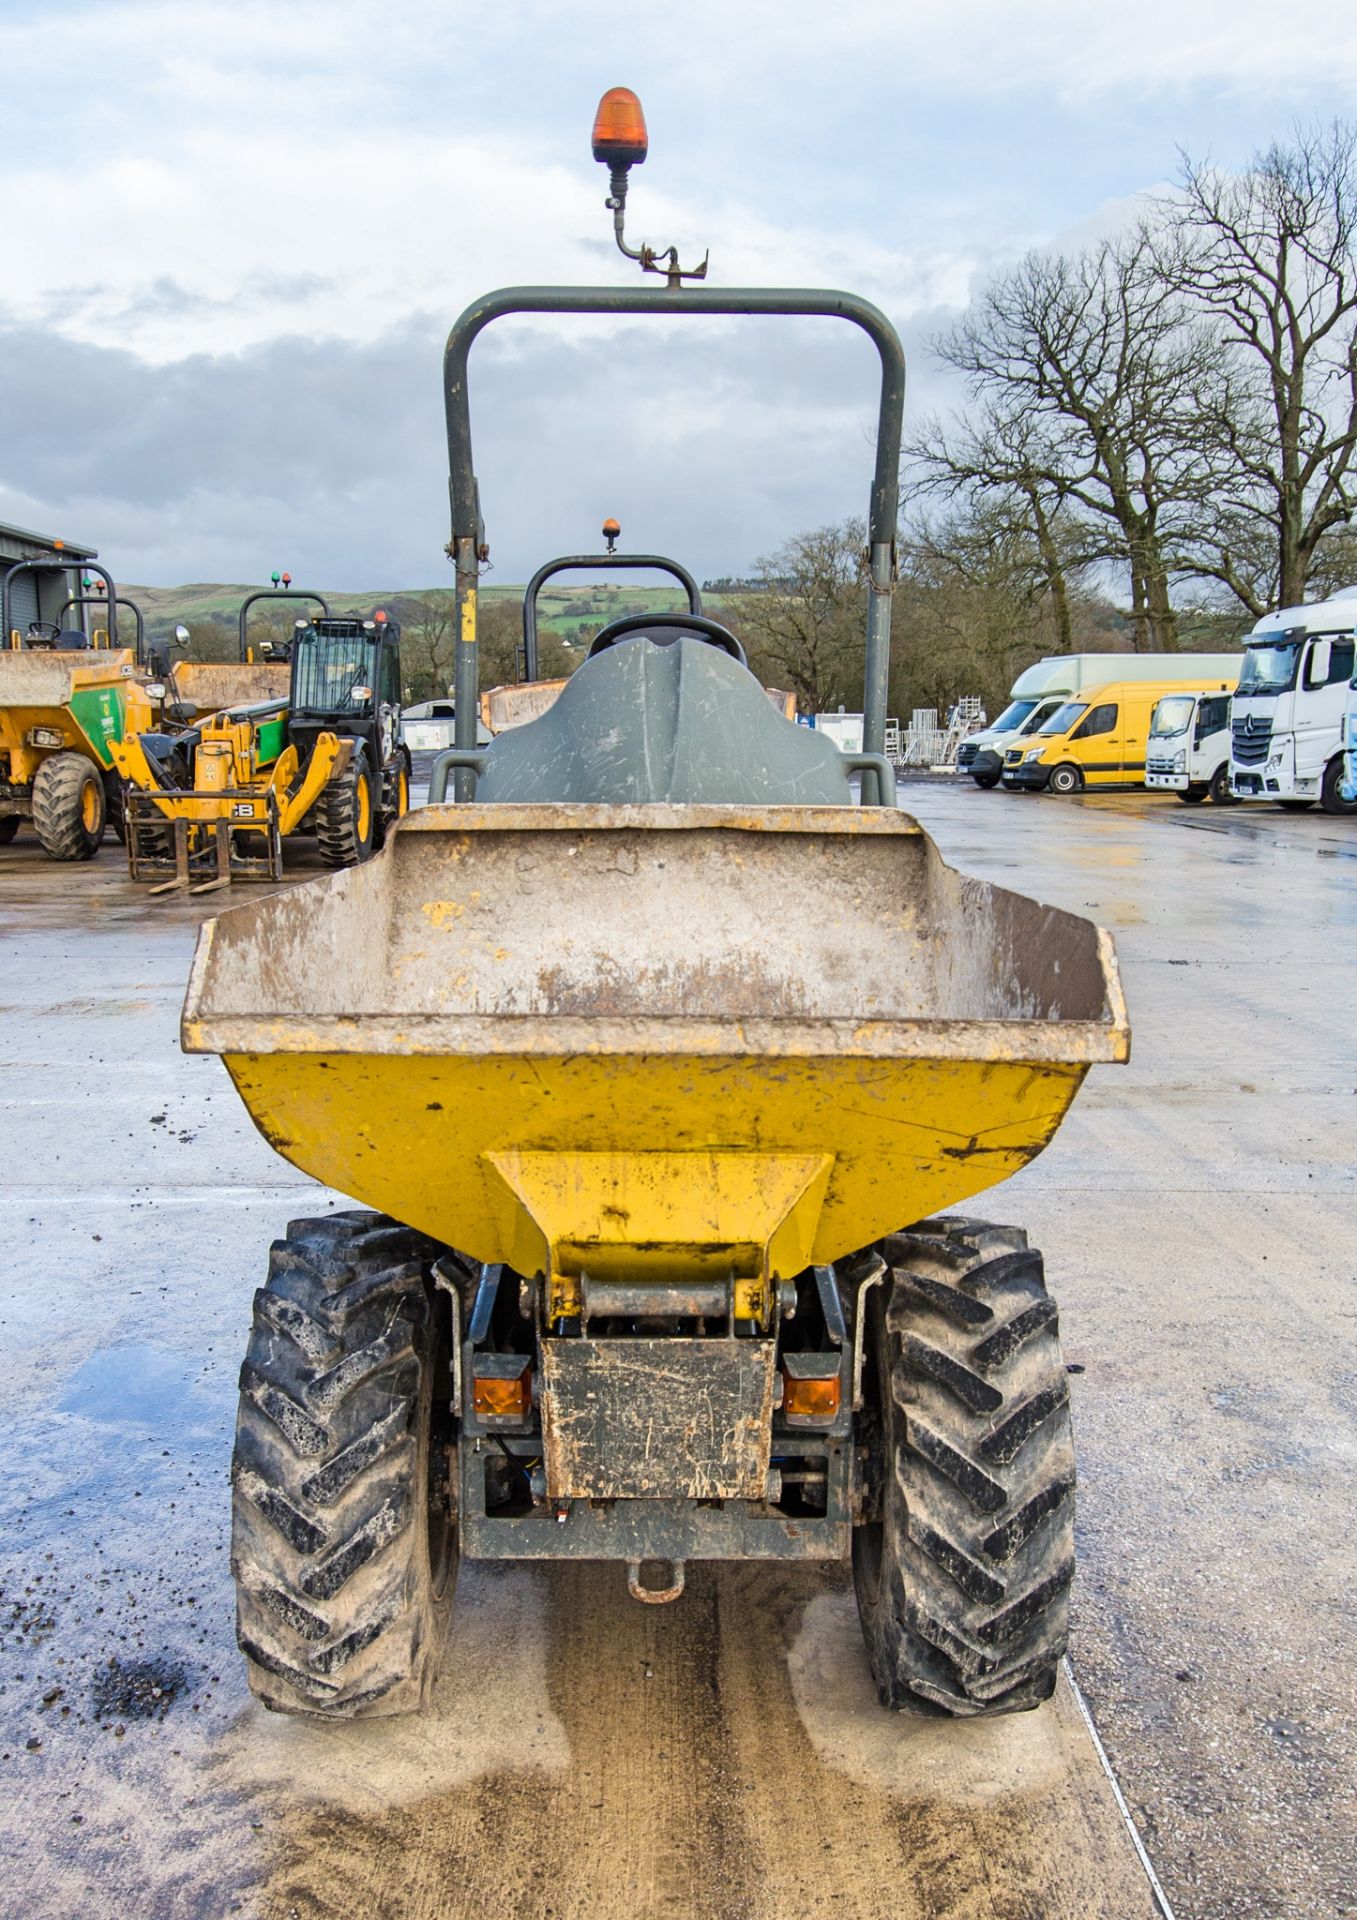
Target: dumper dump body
[211,685]
[572,1039]
[81,695]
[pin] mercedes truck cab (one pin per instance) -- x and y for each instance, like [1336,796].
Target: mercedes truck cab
[1289,710]
[1188,752]
[1098,740]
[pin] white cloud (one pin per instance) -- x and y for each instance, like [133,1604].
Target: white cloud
[303,197]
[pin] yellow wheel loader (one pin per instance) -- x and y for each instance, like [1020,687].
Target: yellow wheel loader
[663,1055]
[66,700]
[213,803]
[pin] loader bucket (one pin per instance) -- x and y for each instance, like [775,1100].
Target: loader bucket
[213,685]
[694,1039]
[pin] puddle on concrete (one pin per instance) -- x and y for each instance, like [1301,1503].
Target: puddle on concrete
[149,1388]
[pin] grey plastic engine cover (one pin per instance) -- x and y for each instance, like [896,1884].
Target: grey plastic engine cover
[680,721]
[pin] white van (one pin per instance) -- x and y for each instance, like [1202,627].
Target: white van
[1048,684]
[1289,709]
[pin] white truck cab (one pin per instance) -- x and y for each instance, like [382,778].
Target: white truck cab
[1189,747]
[1348,789]
[1289,710]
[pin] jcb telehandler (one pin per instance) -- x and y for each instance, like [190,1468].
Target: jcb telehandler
[214,803]
[664,1062]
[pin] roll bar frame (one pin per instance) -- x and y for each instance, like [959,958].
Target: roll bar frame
[98,600]
[276,593]
[586,563]
[54,564]
[467,545]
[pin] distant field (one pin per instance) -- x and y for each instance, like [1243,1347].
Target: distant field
[561,609]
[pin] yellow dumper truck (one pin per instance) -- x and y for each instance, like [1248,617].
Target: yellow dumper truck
[663,1065]
[66,699]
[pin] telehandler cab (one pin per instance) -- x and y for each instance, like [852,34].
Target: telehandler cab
[214,803]
[664,1064]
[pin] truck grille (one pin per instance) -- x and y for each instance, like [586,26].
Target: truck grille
[966,752]
[1158,766]
[1250,740]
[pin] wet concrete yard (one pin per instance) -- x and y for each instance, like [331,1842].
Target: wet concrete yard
[723,1757]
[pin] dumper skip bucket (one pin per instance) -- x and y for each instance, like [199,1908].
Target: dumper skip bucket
[695,1040]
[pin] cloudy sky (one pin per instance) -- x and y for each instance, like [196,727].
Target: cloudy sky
[235,237]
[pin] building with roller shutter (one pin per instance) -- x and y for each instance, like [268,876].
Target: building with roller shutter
[41,593]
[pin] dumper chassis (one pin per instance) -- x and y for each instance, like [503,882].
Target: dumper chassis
[640,1051]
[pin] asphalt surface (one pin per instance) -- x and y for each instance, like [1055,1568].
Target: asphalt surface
[725,1756]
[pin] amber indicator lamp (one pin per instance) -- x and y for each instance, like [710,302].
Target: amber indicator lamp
[620,143]
[620,137]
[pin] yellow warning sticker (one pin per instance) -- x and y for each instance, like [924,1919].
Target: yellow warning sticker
[469,619]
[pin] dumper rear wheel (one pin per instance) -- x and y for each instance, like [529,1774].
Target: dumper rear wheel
[343,1545]
[963,1567]
[68,807]
[346,817]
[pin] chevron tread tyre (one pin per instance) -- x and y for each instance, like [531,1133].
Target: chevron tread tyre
[342,1545]
[345,817]
[68,806]
[963,1566]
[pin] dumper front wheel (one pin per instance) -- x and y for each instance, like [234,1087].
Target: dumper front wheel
[964,1561]
[68,807]
[343,1544]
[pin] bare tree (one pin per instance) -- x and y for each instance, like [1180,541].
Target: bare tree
[1270,256]
[804,625]
[1102,374]
[994,470]
[427,645]
[973,607]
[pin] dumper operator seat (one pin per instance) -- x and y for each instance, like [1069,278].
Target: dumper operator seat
[664,629]
[71,640]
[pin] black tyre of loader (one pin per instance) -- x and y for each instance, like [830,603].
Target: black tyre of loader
[9,826]
[345,816]
[115,806]
[342,1545]
[963,1579]
[397,779]
[68,806]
